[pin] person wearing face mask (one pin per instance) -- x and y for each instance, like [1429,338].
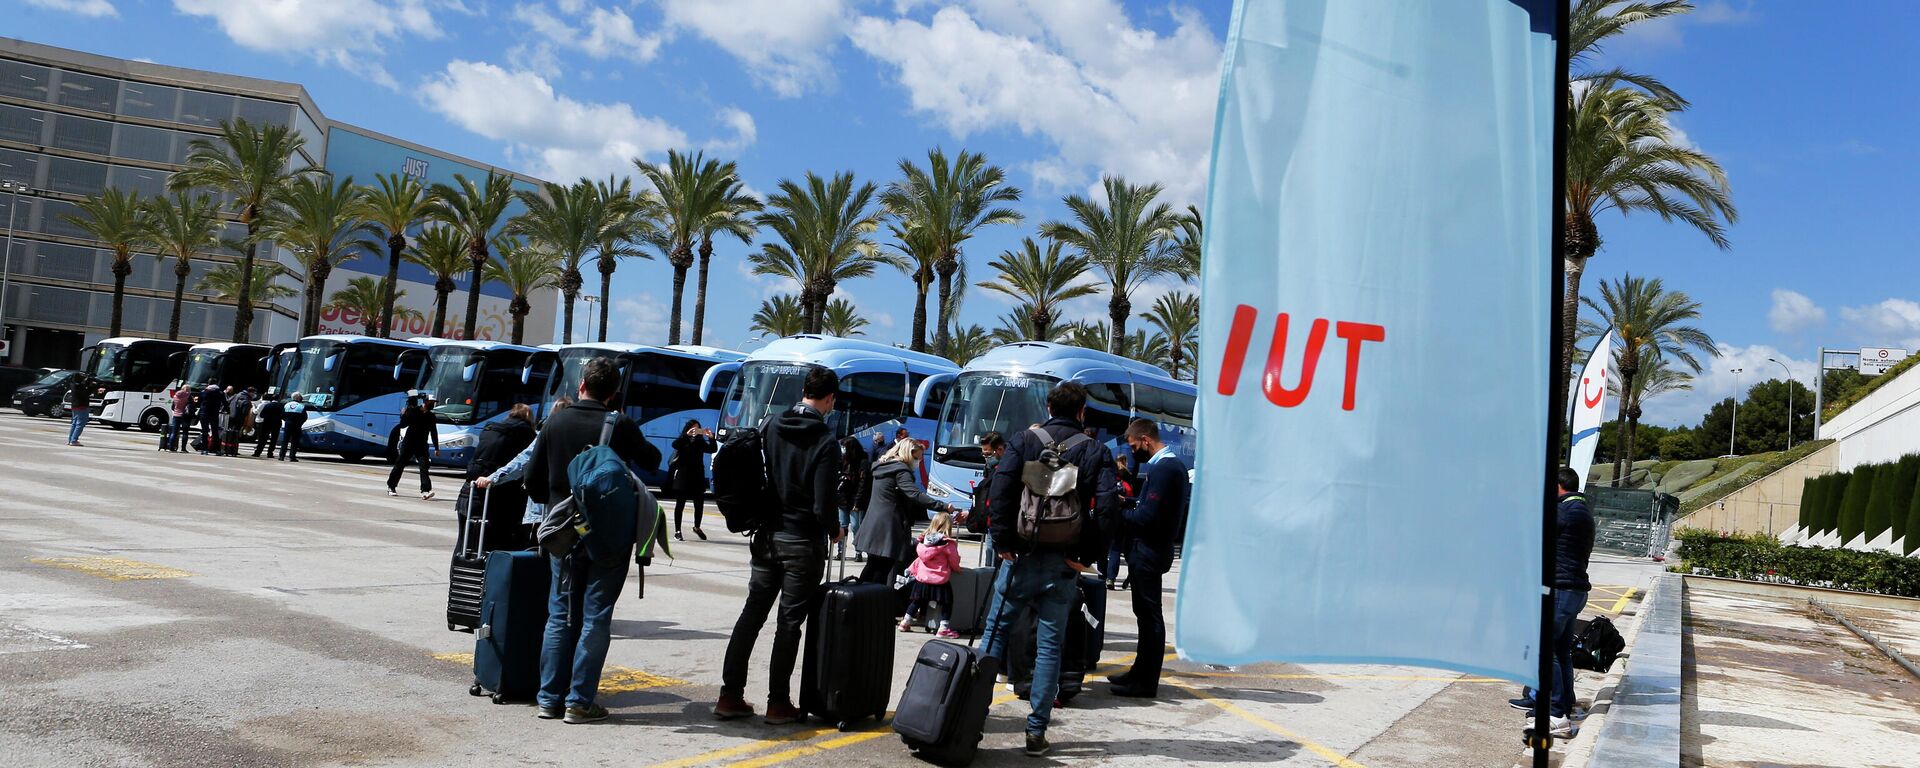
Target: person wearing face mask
[1150,526]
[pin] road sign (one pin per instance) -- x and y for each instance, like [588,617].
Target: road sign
[1876,360]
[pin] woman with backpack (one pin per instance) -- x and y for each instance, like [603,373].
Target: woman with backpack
[687,475]
[886,533]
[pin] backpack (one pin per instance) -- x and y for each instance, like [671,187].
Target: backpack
[1051,509]
[741,488]
[1597,645]
[606,510]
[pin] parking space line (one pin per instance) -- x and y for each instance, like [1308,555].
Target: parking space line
[1621,604]
[112,568]
[1306,676]
[746,749]
[1339,760]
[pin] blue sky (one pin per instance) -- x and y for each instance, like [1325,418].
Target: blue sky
[1808,106]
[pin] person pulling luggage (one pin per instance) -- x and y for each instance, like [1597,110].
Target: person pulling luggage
[239,410]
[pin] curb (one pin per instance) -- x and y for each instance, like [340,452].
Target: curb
[1643,721]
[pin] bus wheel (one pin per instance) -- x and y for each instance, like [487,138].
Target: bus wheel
[353,458]
[152,421]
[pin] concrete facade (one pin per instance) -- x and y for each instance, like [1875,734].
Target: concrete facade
[1770,505]
[1882,427]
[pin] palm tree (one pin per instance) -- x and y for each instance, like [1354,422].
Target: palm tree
[368,298]
[1125,238]
[223,282]
[252,165]
[1094,335]
[1649,321]
[631,219]
[841,319]
[968,343]
[1041,280]
[398,204]
[1186,246]
[1593,21]
[691,190]
[319,221]
[523,269]
[1176,316]
[731,214]
[564,221]
[822,231]
[443,252]
[950,201]
[780,317]
[472,210]
[1017,325]
[117,219]
[917,261]
[180,227]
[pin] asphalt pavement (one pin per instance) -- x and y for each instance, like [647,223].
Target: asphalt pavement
[162,609]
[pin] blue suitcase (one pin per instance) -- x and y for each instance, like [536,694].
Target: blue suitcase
[513,618]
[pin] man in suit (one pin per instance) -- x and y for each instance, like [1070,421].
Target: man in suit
[1150,525]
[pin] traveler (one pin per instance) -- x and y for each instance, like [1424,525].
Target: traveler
[575,646]
[418,427]
[293,418]
[500,443]
[856,487]
[515,470]
[879,445]
[213,402]
[266,425]
[80,400]
[239,409]
[939,557]
[980,518]
[789,553]
[1044,577]
[1572,550]
[180,418]
[687,474]
[886,532]
[1148,528]
[1117,541]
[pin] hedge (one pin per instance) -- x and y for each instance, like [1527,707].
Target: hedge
[1762,558]
[1913,522]
[1816,503]
[1853,504]
[1830,501]
[1892,489]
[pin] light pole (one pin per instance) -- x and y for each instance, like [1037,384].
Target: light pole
[591,314]
[1783,366]
[1735,429]
[13,188]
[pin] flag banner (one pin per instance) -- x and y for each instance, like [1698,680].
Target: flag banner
[1589,399]
[1375,338]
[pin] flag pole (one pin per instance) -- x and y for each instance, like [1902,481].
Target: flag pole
[1542,741]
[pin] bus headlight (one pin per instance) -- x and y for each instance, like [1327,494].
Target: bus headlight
[317,426]
[461,440]
[940,490]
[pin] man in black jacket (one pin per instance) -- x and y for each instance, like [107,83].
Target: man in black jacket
[572,653]
[1150,527]
[1042,577]
[1573,549]
[266,428]
[856,483]
[803,468]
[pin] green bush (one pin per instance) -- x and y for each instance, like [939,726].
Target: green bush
[1892,488]
[1836,487]
[1853,504]
[1913,523]
[1762,558]
[1810,492]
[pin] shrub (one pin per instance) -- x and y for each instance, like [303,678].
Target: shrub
[1761,558]
[1830,501]
[1887,494]
[1812,499]
[1853,504]
[1913,523]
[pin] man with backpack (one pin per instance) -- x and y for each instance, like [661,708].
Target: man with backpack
[1043,538]
[789,547]
[590,579]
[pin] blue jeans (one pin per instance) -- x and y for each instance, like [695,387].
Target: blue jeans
[1041,580]
[850,520]
[79,424]
[573,653]
[1566,608]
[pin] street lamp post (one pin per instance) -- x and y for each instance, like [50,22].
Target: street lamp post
[1735,429]
[591,314]
[1783,366]
[13,188]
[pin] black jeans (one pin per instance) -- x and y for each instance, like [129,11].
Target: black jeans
[882,570]
[266,434]
[699,509]
[786,568]
[409,455]
[290,439]
[1149,612]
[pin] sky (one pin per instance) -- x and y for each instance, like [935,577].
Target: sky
[1807,105]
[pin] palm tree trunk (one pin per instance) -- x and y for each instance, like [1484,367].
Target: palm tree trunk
[1582,241]
[479,256]
[243,304]
[566,317]
[520,326]
[1624,444]
[606,285]
[121,268]
[679,285]
[700,291]
[940,337]
[395,245]
[1117,310]
[440,310]
[1633,425]
[180,272]
[919,315]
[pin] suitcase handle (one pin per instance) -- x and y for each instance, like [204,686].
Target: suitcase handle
[486,494]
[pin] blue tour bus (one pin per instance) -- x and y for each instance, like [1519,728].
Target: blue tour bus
[877,385]
[354,386]
[660,387]
[1005,391]
[475,383]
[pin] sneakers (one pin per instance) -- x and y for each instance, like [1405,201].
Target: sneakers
[1522,704]
[392,492]
[1561,728]
[781,712]
[732,708]
[700,533]
[426,496]
[859,557]
[591,713]
[678,536]
[1037,745]
[554,712]
[906,625]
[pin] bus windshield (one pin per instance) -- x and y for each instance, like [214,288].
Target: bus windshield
[456,379]
[318,369]
[203,366]
[988,402]
[104,361]
[762,388]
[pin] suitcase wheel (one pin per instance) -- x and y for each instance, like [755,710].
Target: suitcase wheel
[476,690]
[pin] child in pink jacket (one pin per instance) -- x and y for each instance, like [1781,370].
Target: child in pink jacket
[939,558]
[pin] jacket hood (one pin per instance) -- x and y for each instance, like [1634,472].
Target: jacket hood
[799,424]
[893,468]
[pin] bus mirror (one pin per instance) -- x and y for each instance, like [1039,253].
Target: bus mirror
[932,387]
[713,374]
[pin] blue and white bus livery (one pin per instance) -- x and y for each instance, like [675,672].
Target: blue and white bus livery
[877,384]
[355,388]
[660,387]
[475,383]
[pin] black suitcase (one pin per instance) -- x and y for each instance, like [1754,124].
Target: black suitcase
[847,673]
[466,580]
[972,592]
[513,618]
[1086,638]
[943,711]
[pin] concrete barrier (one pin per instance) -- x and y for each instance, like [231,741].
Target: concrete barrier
[1769,505]
[1642,729]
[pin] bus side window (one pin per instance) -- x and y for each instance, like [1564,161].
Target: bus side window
[870,400]
[1108,411]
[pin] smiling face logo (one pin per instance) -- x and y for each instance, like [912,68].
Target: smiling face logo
[1592,399]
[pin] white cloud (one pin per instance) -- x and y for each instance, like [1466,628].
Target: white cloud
[741,124]
[1893,322]
[785,44]
[642,317]
[91,8]
[557,137]
[1671,33]
[765,286]
[1717,381]
[1793,313]
[1109,96]
[348,33]
[604,33]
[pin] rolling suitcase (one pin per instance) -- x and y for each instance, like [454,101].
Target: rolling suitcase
[972,591]
[1086,638]
[943,711]
[466,580]
[847,673]
[513,617]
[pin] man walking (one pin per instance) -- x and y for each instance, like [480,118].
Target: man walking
[266,425]
[1040,576]
[293,418]
[418,427]
[575,646]
[1150,526]
[213,402]
[1572,551]
[80,401]
[790,552]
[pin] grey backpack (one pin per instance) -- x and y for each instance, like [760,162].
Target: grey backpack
[1051,509]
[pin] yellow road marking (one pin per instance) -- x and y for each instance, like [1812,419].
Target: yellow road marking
[113,568]
[465,659]
[748,748]
[623,679]
[811,749]
[1331,756]
[1621,604]
[1304,676]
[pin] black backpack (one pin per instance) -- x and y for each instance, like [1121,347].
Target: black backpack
[740,485]
[1597,645]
